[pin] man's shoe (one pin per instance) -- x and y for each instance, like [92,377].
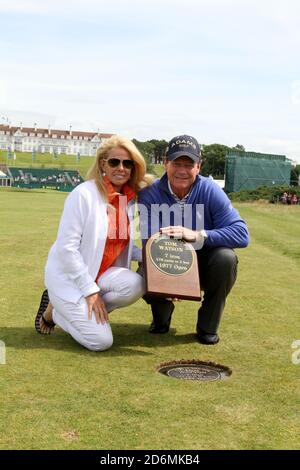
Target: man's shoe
[159,329]
[207,338]
[162,316]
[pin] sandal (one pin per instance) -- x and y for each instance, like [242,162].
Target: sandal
[39,316]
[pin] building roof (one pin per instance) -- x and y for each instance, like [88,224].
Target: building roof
[51,132]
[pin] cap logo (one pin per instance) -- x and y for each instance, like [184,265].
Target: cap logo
[183,145]
[184,142]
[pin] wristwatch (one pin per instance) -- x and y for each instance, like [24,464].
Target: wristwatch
[200,239]
[203,235]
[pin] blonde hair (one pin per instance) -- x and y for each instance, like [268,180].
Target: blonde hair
[138,179]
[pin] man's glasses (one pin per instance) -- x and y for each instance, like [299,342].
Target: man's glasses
[114,162]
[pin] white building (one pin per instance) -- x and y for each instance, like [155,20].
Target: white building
[27,139]
[4,179]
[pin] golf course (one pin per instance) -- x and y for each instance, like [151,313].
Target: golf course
[57,395]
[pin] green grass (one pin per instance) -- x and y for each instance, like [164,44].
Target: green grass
[56,395]
[159,170]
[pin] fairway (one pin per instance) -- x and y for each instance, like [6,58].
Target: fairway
[56,395]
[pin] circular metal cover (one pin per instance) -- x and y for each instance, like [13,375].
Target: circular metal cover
[195,370]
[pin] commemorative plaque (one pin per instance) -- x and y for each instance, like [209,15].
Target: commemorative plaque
[171,268]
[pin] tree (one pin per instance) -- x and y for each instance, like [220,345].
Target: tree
[152,150]
[147,150]
[213,160]
[295,172]
[159,149]
[239,147]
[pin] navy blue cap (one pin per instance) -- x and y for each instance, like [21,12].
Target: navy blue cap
[183,146]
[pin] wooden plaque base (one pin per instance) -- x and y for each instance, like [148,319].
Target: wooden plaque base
[171,268]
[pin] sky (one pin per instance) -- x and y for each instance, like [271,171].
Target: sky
[224,71]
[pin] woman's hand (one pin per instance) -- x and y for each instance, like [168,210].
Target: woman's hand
[96,304]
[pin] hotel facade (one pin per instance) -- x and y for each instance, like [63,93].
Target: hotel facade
[30,139]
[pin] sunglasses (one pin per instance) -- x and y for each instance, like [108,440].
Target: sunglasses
[114,162]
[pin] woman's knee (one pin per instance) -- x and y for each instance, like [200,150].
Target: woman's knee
[99,344]
[133,286]
[98,341]
[139,285]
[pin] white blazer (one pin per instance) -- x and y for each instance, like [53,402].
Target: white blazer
[75,258]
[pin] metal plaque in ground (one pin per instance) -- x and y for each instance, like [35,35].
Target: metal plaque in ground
[195,370]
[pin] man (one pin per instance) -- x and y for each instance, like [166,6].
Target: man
[223,230]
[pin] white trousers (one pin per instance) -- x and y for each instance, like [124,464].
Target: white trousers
[119,287]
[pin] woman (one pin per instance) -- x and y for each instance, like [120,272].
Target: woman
[87,273]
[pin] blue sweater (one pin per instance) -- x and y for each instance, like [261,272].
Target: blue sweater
[220,220]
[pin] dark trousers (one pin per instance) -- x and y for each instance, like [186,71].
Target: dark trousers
[218,271]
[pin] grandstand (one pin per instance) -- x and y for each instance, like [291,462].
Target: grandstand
[50,178]
[250,170]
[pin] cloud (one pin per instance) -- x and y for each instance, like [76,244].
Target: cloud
[224,70]
[3,93]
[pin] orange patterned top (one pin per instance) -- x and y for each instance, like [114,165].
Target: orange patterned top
[117,236]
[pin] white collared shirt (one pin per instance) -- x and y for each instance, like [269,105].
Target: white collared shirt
[201,235]
[179,201]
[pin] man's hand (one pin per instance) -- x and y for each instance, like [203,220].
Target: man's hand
[180,232]
[96,304]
